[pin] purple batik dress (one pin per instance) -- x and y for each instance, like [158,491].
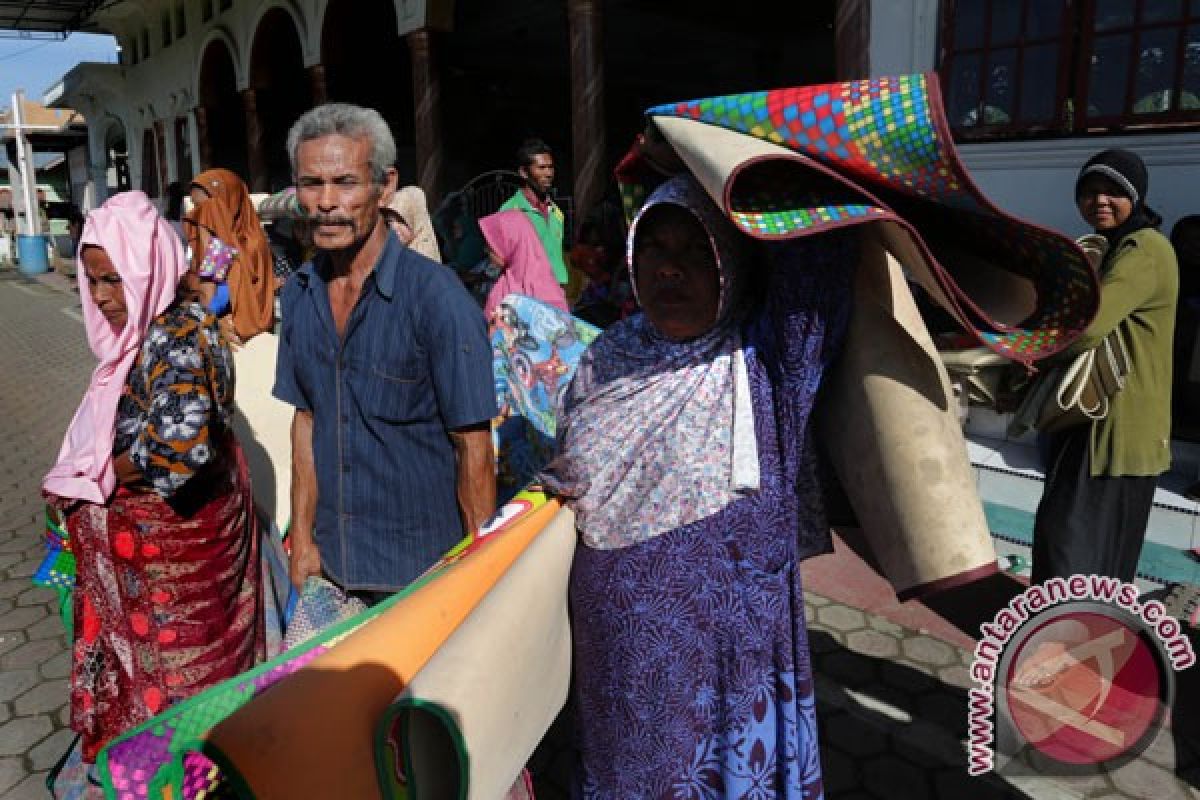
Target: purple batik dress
[693,676]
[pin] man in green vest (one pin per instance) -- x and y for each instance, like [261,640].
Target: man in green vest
[535,163]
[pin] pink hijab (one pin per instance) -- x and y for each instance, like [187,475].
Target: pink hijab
[526,269]
[149,257]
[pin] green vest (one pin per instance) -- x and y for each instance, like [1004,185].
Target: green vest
[1138,292]
[549,230]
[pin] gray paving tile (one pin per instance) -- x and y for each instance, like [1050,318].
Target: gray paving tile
[57,667]
[1142,779]
[32,788]
[841,618]
[848,669]
[855,736]
[31,654]
[43,698]
[889,776]
[19,734]
[838,771]
[873,643]
[15,682]
[21,618]
[929,651]
[48,752]
[12,771]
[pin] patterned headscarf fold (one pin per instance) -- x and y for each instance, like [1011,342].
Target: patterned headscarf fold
[656,434]
[229,215]
[409,203]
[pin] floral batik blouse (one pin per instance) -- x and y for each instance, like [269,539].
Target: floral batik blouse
[178,399]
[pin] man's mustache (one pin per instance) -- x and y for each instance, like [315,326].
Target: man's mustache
[321,219]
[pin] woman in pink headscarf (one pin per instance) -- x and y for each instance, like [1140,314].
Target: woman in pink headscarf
[514,247]
[153,487]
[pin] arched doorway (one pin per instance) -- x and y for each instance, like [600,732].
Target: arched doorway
[224,132]
[368,63]
[281,85]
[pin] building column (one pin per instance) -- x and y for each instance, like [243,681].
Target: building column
[194,136]
[317,86]
[97,191]
[203,143]
[852,39]
[255,157]
[427,101]
[587,99]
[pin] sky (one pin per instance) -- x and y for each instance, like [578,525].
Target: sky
[35,66]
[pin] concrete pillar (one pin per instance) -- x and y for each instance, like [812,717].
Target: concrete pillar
[255,156]
[194,134]
[25,170]
[204,143]
[587,101]
[160,144]
[317,87]
[427,100]
[97,191]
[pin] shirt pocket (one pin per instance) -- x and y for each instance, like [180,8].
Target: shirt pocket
[396,392]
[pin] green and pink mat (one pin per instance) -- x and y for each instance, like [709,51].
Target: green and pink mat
[444,689]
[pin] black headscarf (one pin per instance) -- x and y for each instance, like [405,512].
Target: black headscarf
[1126,169]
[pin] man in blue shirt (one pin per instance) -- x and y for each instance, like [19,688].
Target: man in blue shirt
[386,360]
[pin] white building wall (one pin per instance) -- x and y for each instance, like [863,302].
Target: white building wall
[1035,180]
[163,84]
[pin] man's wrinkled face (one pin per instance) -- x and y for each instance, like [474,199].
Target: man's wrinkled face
[540,173]
[335,188]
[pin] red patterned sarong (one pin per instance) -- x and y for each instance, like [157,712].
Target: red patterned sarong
[167,601]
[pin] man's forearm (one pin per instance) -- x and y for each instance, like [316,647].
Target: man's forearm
[304,476]
[476,475]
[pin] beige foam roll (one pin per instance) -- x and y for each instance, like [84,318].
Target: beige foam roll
[263,426]
[887,420]
[472,716]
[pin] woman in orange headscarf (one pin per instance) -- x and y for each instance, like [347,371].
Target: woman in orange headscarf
[222,210]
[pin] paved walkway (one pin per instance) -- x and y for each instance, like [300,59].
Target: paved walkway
[891,678]
[44,366]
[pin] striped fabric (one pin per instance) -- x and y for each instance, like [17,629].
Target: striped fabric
[414,362]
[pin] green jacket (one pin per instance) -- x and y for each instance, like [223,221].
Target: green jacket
[1139,288]
[549,230]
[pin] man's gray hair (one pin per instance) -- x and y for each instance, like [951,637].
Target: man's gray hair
[349,120]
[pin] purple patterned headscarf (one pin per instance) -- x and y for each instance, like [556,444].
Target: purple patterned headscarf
[656,434]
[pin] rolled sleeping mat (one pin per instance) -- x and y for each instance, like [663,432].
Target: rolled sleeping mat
[263,425]
[471,717]
[314,733]
[303,724]
[794,162]
[886,417]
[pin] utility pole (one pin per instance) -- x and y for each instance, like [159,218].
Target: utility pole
[33,222]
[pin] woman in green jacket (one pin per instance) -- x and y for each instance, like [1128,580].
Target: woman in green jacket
[1101,477]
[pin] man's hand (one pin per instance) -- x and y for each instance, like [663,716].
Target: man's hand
[305,562]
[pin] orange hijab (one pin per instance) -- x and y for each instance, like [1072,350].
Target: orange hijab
[229,215]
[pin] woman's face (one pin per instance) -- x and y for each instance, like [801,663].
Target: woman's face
[1102,203]
[494,257]
[676,268]
[105,286]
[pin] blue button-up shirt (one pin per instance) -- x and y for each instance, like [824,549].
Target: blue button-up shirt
[413,364]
